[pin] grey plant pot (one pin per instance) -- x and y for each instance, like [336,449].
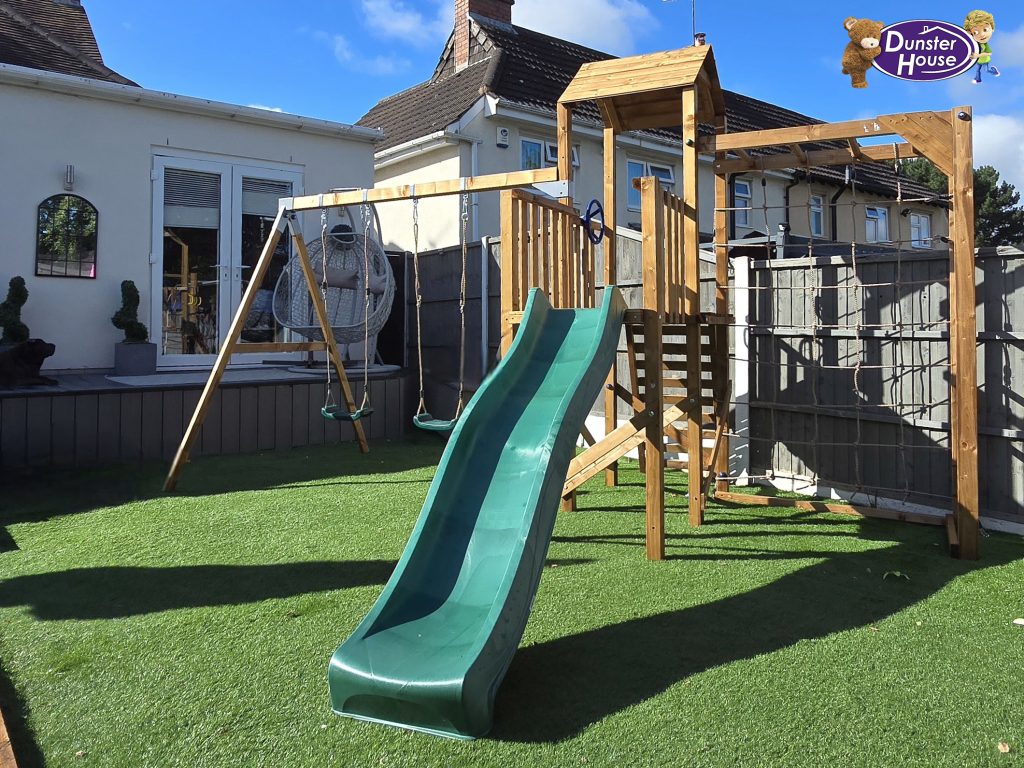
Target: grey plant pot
[134,358]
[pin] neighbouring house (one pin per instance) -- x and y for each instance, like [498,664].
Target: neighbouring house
[106,181]
[489,107]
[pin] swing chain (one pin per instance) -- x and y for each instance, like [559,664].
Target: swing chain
[329,401]
[462,304]
[422,408]
[366,306]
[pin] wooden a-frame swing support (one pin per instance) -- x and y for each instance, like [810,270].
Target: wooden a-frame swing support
[287,218]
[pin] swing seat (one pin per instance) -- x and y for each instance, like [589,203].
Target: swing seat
[428,423]
[337,413]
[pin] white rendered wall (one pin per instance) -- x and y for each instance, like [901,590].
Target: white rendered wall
[112,145]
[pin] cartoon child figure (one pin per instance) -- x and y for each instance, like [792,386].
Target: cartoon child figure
[981,25]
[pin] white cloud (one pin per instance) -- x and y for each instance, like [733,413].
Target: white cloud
[397,19]
[352,59]
[607,25]
[999,142]
[263,106]
[1008,47]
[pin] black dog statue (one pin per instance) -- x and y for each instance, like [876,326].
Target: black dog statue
[19,365]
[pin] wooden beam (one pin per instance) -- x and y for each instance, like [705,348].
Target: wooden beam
[829,506]
[610,115]
[797,134]
[856,149]
[952,537]
[491,183]
[611,191]
[507,268]
[653,243]
[963,334]
[798,153]
[565,147]
[930,133]
[815,157]
[691,301]
[195,424]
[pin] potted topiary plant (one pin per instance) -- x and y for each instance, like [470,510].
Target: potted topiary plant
[134,356]
[15,331]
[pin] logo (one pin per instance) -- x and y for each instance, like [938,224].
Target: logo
[925,50]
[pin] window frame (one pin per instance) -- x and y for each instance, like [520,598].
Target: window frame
[818,209]
[919,241]
[884,217]
[742,218]
[89,275]
[523,141]
[647,169]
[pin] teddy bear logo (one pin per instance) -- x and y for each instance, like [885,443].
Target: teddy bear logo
[862,50]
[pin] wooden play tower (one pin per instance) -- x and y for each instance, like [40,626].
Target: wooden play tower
[678,360]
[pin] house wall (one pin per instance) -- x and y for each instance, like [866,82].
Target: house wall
[439,217]
[112,146]
[483,127]
[851,216]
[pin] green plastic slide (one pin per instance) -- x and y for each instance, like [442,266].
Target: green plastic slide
[432,652]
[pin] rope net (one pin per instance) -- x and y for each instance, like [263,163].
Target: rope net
[847,349]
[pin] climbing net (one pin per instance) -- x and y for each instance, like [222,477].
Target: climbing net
[846,346]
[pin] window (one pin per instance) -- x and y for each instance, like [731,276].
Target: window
[66,237]
[532,154]
[743,198]
[817,216]
[877,224]
[536,154]
[637,169]
[920,230]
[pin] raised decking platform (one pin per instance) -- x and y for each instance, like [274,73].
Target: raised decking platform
[87,419]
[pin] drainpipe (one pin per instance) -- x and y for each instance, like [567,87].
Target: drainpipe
[833,211]
[485,287]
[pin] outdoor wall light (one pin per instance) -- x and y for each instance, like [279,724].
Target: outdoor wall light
[69,177]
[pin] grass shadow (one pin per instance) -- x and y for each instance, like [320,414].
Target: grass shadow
[47,494]
[117,592]
[16,718]
[557,689]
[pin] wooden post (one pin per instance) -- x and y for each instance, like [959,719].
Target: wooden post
[721,361]
[224,353]
[320,307]
[691,307]
[963,336]
[565,147]
[507,267]
[653,226]
[611,421]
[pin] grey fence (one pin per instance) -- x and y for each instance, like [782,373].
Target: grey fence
[846,361]
[841,369]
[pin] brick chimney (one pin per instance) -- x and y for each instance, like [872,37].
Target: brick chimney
[499,10]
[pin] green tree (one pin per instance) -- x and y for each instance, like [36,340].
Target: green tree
[998,216]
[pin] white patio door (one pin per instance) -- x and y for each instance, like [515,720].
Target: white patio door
[211,219]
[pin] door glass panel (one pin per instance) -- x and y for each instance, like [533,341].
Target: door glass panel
[259,208]
[191,272]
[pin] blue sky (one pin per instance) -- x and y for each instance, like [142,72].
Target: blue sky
[335,58]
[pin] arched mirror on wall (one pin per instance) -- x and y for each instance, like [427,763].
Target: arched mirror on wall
[66,236]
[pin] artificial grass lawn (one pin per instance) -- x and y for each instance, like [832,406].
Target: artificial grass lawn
[138,629]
